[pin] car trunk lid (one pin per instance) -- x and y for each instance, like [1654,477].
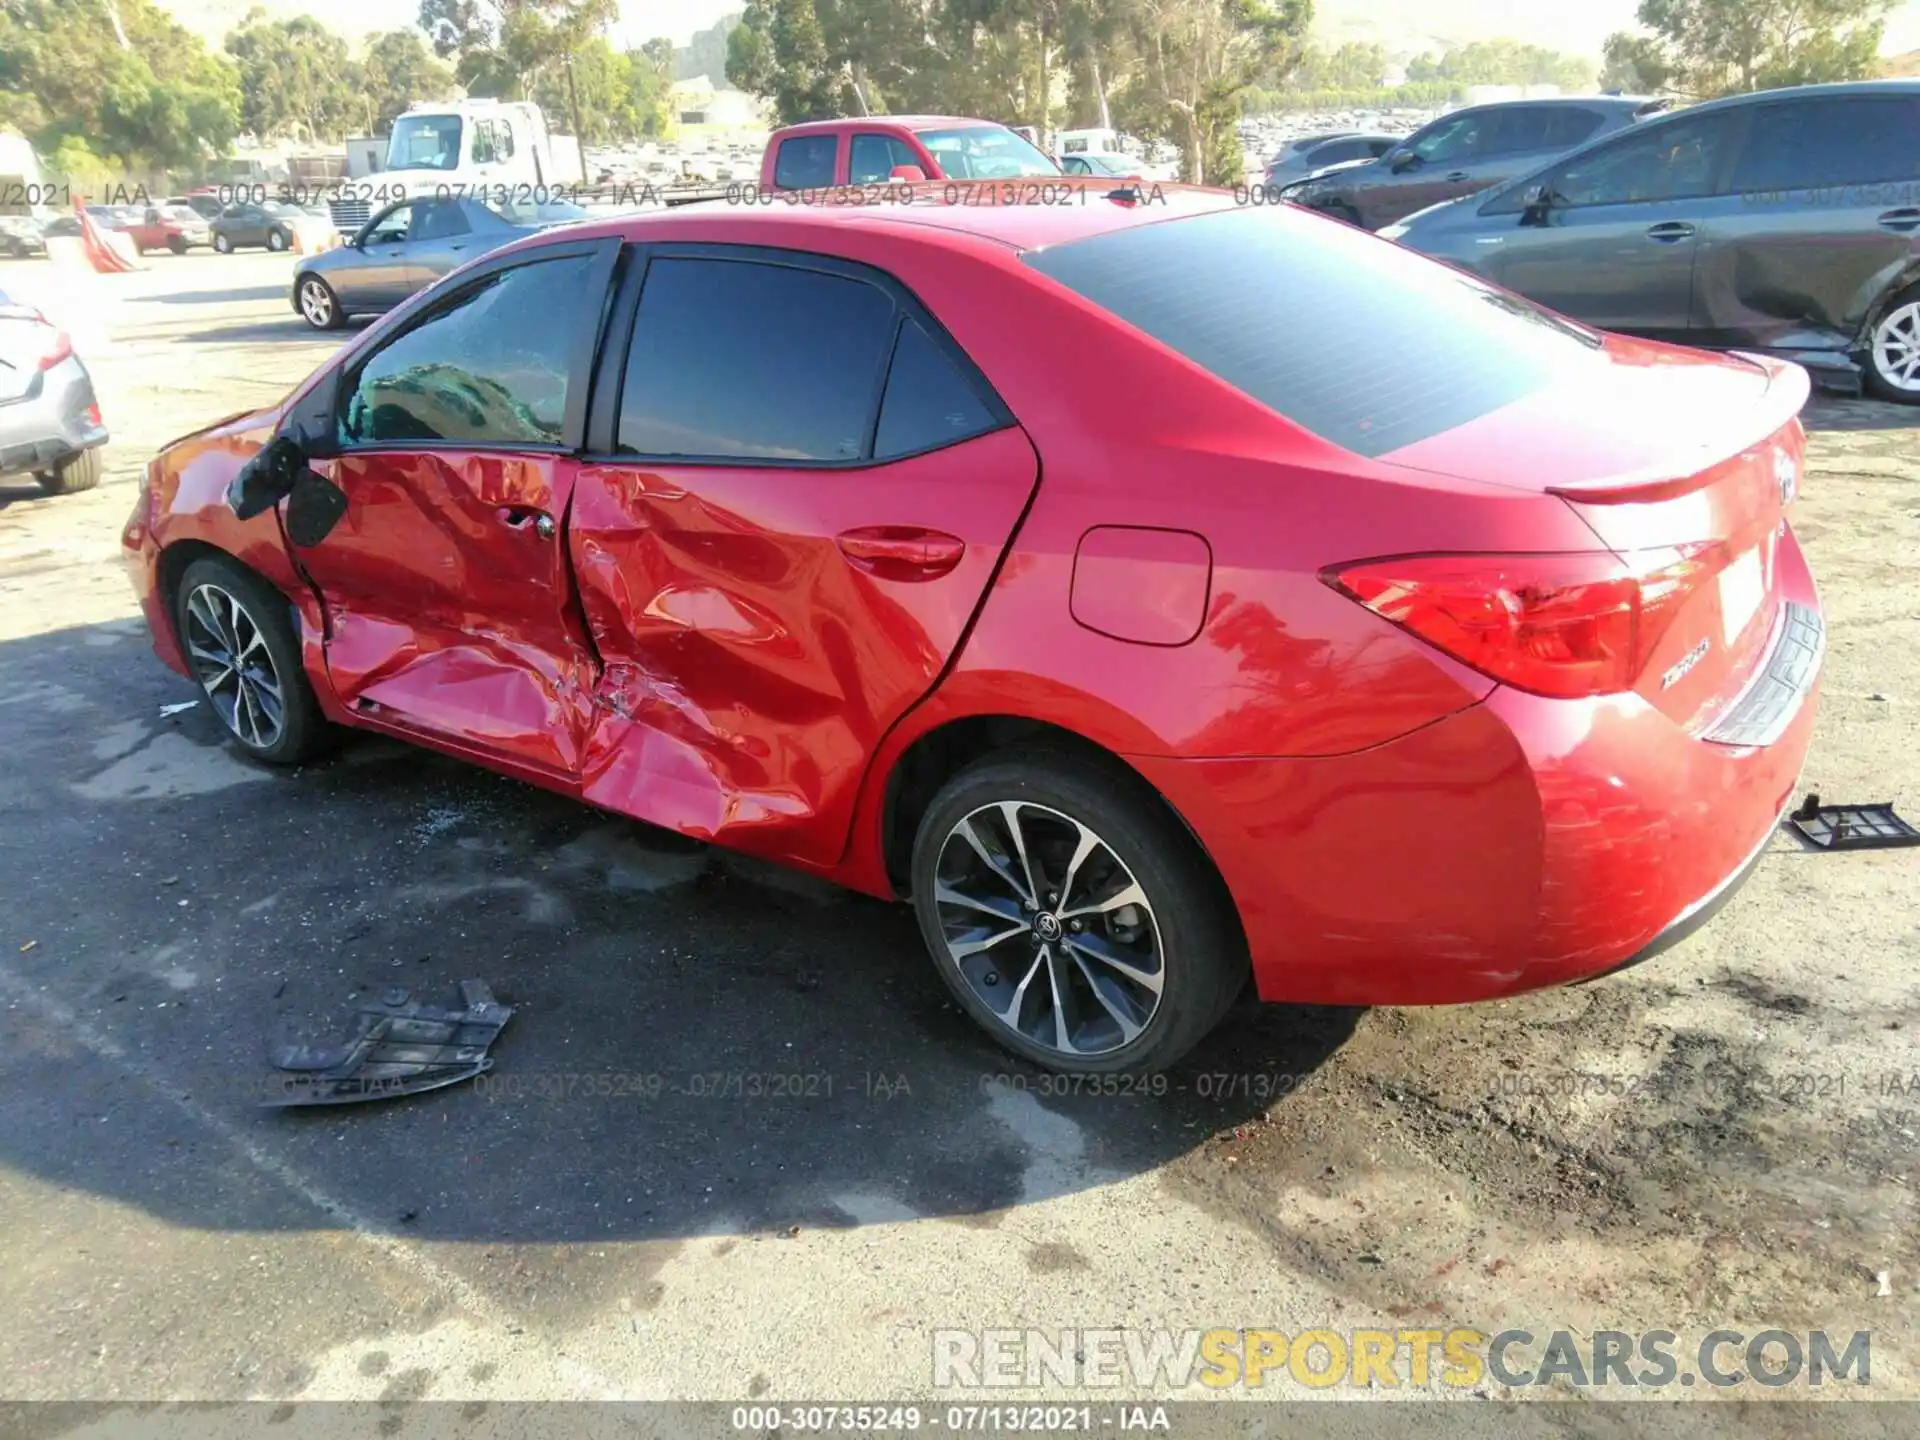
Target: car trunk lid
[1683,465]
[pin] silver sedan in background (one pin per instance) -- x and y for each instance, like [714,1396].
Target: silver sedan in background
[407,247]
[50,426]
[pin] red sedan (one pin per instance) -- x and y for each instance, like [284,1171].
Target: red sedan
[1162,595]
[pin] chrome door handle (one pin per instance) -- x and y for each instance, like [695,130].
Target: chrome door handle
[522,517]
[1902,220]
[1669,231]
[1459,175]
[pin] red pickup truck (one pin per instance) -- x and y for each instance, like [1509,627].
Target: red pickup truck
[876,149]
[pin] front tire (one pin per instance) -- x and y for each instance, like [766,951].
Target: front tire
[237,633]
[1893,351]
[318,305]
[276,240]
[1071,915]
[72,475]
[223,245]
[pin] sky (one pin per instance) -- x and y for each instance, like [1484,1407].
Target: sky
[1401,24]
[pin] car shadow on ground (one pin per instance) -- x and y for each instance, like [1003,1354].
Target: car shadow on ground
[701,1043]
[234,296]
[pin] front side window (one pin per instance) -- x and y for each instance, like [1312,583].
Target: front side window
[805,162]
[984,152]
[1850,140]
[390,228]
[1675,160]
[874,157]
[489,369]
[1456,138]
[1261,296]
[736,359]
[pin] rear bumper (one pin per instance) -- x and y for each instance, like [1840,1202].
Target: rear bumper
[53,422]
[1517,844]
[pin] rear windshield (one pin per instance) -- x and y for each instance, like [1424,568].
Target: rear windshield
[1353,338]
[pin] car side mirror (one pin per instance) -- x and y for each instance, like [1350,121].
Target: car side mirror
[279,471]
[908,174]
[267,479]
[1401,161]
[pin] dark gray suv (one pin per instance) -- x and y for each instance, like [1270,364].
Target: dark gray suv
[1465,151]
[1787,221]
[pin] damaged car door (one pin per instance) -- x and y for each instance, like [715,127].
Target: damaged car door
[1821,225]
[797,491]
[450,608]
[1611,235]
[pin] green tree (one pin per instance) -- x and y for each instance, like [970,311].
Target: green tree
[296,79]
[1729,47]
[145,94]
[398,70]
[1503,62]
[1201,56]
[505,48]
[706,53]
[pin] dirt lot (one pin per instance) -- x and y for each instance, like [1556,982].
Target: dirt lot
[1725,1137]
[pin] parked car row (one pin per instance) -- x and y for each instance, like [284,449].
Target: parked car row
[1786,221]
[408,246]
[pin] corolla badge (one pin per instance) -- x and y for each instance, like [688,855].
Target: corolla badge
[1678,670]
[1786,474]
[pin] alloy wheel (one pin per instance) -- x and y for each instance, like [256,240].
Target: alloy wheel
[230,657]
[1896,348]
[316,303]
[1048,927]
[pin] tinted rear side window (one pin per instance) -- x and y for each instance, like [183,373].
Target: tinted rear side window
[1567,125]
[928,402]
[805,162]
[1362,343]
[736,359]
[1842,141]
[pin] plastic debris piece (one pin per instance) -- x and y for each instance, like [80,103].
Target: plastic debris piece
[399,1046]
[170,710]
[1851,827]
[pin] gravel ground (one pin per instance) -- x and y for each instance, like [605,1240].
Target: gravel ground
[1725,1137]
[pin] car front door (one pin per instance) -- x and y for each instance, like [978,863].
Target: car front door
[440,239]
[1437,163]
[1819,225]
[380,278]
[1610,236]
[798,492]
[451,615]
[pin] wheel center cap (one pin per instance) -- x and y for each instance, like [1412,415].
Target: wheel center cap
[1047,927]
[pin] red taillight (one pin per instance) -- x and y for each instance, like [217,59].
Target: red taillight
[1559,625]
[59,346]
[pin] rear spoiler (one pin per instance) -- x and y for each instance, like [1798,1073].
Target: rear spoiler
[1788,387]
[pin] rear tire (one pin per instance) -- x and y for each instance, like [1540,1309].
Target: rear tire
[1121,963]
[177,246]
[1893,351]
[222,244]
[238,636]
[72,475]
